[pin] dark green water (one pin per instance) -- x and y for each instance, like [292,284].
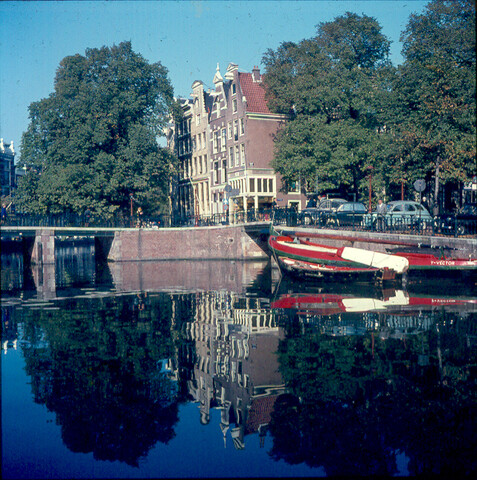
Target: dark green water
[221,369]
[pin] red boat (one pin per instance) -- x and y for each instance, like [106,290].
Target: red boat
[304,258]
[300,257]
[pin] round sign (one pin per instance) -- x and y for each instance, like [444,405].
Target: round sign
[228,188]
[420,185]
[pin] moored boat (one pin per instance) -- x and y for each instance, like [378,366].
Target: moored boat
[304,258]
[416,262]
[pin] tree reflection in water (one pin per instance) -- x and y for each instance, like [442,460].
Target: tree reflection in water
[103,375]
[356,402]
[363,390]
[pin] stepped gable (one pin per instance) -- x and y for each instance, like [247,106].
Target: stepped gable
[253,92]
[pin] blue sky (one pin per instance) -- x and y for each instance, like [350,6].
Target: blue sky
[189,38]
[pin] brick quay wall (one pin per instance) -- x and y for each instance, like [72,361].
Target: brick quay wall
[195,243]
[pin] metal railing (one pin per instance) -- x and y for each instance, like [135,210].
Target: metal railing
[449,225]
[157,221]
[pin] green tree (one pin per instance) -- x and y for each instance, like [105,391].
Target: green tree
[433,116]
[333,87]
[93,141]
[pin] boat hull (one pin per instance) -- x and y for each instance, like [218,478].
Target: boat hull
[306,259]
[313,270]
[424,262]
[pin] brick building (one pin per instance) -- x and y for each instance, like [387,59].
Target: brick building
[225,146]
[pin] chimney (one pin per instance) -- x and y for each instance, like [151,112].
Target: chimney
[256,74]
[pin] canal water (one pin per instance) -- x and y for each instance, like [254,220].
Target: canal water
[222,369]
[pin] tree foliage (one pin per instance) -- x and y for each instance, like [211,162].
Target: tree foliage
[92,142]
[333,87]
[434,111]
[349,108]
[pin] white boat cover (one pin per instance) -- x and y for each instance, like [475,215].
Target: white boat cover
[376,259]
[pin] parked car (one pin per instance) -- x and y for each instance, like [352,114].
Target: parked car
[318,215]
[459,223]
[347,214]
[400,214]
[331,204]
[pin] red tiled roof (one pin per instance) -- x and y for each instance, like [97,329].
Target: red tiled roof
[260,413]
[254,93]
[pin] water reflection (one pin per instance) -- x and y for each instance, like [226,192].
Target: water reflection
[347,379]
[373,379]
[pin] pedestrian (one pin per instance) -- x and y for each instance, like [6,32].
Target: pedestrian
[4,213]
[140,214]
[87,217]
[381,212]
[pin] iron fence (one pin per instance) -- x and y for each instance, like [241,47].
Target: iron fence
[450,225]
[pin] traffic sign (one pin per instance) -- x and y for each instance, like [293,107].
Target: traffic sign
[420,185]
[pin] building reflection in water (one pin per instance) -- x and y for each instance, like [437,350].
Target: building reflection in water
[114,366]
[234,368]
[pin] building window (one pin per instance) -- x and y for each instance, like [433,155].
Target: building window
[270,185]
[205,164]
[230,129]
[237,154]
[236,129]
[216,173]
[224,139]
[252,185]
[231,156]
[242,126]
[216,142]
[234,103]
[242,154]
[259,185]
[294,187]
[234,89]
